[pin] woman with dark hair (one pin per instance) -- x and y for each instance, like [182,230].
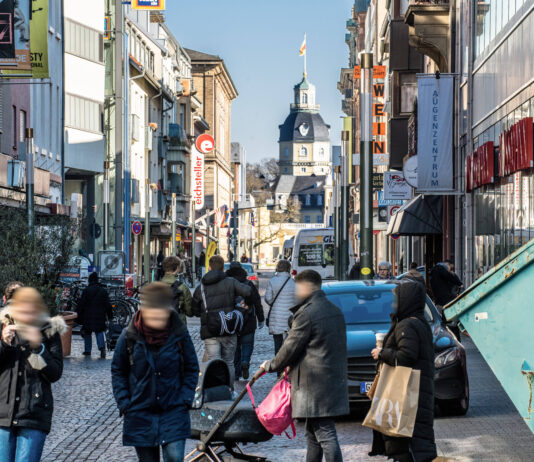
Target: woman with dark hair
[409,343]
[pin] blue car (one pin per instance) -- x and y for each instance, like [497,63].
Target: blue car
[367,306]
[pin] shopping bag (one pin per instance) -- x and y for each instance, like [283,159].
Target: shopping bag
[372,390]
[395,402]
[275,410]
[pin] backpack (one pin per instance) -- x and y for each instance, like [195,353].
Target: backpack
[222,322]
[177,297]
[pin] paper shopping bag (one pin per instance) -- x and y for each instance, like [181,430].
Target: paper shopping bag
[394,405]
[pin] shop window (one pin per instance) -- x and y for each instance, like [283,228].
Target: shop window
[408,92]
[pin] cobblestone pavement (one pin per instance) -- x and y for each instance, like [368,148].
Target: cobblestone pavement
[87,427]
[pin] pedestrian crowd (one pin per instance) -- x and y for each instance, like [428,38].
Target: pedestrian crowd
[155,369]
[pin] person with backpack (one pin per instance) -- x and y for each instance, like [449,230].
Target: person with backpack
[214,301]
[93,309]
[172,267]
[280,296]
[154,376]
[253,318]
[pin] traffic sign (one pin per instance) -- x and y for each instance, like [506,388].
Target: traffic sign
[205,143]
[137,227]
[111,263]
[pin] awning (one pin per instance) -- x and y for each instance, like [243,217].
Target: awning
[421,216]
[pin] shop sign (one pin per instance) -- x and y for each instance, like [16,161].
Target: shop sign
[198,178]
[516,147]
[378,181]
[434,133]
[148,4]
[396,187]
[479,166]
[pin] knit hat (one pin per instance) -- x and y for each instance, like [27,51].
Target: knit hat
[156,295]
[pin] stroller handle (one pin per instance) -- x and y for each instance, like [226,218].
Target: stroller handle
[257,375]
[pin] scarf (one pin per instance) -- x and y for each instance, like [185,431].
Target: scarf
[153,337]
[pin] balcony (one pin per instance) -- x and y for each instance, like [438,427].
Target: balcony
[429,30]
[177,146]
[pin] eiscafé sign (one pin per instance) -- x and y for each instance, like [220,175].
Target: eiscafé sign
[516,152]
[203,145]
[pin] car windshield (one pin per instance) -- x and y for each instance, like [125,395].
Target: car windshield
[246,266]
[369,306]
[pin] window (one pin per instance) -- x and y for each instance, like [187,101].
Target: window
[83,114]
[303,151]
[319,200]
[84,42]
[22,125]
[286,152]
[286,170]
[307,219]
[182,116]
[321,152]
[303,169]
[319,218]
[408,92]
[308,199]
[304,98]
[15,134]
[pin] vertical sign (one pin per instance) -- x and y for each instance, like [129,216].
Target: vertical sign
[21,34]
[197,178]
[434,131]
[7,40]
[39,39]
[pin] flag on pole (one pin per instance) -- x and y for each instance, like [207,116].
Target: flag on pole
[302,50]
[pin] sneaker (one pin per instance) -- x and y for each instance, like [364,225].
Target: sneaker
[103,353]
[245,371]
[87,353]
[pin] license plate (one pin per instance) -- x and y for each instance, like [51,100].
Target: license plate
[365,387]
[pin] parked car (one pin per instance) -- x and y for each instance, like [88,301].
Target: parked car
[367,306]
[249,268]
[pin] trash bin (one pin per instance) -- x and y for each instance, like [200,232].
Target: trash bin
[498,313]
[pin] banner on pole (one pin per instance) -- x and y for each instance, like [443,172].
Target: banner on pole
[434,132]
[197,178]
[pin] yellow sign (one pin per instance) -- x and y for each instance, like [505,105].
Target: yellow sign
[210,252]
[148,4]
[178,236]
[366,271]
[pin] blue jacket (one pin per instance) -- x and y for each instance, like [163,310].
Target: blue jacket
[154,390]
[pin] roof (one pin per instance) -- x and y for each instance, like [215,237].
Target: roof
[294,185]
[318,129]
[304,84]
[342,286]
[200,56]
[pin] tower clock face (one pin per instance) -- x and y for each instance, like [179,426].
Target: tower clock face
[304,128]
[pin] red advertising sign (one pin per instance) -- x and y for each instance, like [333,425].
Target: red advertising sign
[197,179]
[479,166]
[516,150]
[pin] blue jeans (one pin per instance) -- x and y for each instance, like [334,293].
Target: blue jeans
[243,352]
[88,339]
[322,440]
[172,452]
[21,444]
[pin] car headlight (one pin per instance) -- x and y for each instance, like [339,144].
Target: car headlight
[446,357]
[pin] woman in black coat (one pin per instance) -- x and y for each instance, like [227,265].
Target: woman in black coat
[31,359]
[93,309]
[409,343]
[253,315]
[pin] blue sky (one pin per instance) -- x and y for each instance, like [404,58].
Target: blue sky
[259,41]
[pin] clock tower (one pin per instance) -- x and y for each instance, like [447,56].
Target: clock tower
[304,141]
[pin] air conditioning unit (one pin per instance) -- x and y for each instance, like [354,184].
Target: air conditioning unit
[135,127]
[16,173]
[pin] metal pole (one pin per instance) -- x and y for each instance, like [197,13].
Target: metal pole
[337,226]
[193,243]
[30,206]
[366,165]
[148,276]
[173,215]
[106,204]
[344,230]
[119,125]
[234,231]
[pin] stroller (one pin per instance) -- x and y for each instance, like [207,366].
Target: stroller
[220,423]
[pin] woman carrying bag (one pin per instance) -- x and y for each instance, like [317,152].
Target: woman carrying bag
[409,343]
[280,296]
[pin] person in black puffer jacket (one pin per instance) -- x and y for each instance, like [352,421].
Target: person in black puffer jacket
[31,359]
[93,309]
[253,315]
[221,293]
[409,343]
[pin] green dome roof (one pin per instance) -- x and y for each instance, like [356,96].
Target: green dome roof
[303,85]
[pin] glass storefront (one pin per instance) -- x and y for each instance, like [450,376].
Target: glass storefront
[504,211]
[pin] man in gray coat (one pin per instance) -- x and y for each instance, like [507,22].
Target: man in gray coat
[316,353]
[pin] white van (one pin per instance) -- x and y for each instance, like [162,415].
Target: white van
[287,251]
[314,249]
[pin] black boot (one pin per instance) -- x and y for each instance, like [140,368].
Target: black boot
[245,371]
[102,353]
[87,353]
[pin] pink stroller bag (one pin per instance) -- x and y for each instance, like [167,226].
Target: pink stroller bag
[275,411]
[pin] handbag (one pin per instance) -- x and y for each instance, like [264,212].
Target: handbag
[274,301]
[224,322]
[275,412]
[395,402]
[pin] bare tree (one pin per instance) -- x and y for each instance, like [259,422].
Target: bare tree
[273,231]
